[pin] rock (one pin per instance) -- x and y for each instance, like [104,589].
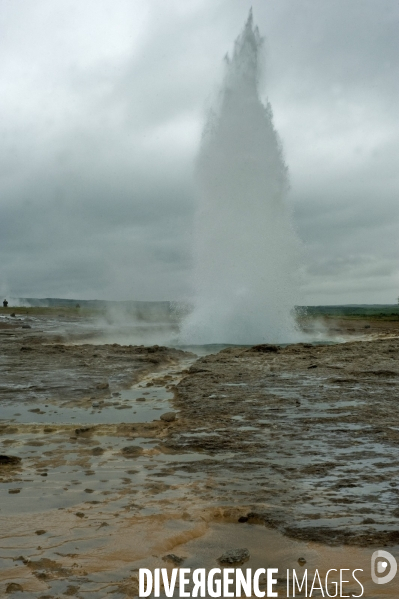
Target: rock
[82,431]
[264,348]
[9,460]
[95,404]
[301,561]
[383,372]
[12,314]
[71,590]
[196,370]
[168,417]
[97,451]
[80,514]
[14,491]
[243,519]
[40,532]
[174,559]
[141,399]
[14,587]
[104,385]
[89,490]
[26,348]
[234,556]
[132,451]
[26,326]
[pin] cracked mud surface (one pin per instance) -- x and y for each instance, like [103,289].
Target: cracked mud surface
[94,485]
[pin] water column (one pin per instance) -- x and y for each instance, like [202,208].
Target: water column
[244,247]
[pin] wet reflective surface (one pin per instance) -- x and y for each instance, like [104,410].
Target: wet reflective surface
[299,442]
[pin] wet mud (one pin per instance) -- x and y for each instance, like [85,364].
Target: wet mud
[310,436]
[288,452]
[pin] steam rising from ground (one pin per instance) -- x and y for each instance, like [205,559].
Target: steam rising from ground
[245,247]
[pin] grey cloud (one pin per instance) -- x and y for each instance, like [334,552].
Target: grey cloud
[101,120]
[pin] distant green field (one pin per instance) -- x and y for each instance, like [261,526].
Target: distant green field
[384,311]
[144,311]
[166,311]
[52,311]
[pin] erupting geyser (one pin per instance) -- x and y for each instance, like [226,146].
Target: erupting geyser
[245,249]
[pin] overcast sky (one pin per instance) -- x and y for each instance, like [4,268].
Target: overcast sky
[102,106]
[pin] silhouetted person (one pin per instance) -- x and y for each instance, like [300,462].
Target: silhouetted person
[5,303]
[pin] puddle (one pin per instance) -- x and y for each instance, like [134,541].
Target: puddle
[143,402]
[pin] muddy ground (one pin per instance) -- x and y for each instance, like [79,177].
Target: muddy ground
[288,451]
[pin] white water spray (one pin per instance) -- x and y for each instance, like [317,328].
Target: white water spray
[245,247]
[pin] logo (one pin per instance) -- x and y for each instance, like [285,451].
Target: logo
[380,560]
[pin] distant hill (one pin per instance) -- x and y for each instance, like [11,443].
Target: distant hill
[141,310]
[165,310]
[69,303]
